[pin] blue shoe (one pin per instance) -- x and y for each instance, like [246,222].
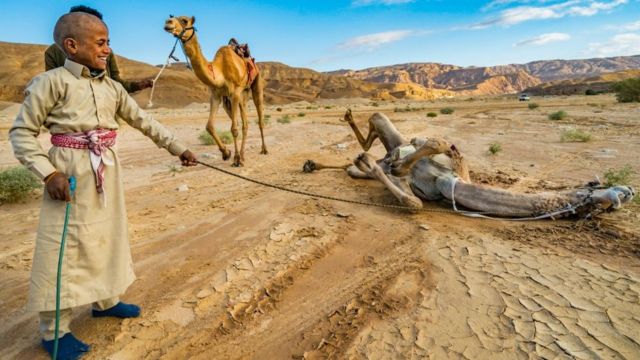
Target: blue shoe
[69,348]
[120,310]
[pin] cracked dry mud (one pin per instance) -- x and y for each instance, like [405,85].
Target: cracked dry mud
[230,270]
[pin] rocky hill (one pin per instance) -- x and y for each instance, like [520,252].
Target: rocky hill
[494,79]
[549,70]
[178,86]
[597,84]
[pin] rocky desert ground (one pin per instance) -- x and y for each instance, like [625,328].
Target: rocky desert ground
[231,270]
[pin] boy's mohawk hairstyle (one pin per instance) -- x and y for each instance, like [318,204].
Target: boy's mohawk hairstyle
[87,10]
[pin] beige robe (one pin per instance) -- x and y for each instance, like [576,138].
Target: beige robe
[97,260]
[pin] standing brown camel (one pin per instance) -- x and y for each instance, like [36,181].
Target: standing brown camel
[227,78]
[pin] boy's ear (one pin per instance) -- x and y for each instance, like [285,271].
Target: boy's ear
[193,20]
[70,46]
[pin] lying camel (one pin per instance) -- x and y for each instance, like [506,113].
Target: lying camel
[433,169]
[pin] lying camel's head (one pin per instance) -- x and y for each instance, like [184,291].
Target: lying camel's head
[180,26]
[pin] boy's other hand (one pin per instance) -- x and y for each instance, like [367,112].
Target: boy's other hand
[58,187]
[188,158]
[143,84]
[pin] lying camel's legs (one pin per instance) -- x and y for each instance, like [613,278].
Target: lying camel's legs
[311,166]
[432,146]
[379,127]
[367,164]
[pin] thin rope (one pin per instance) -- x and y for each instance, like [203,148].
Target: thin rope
[153,87]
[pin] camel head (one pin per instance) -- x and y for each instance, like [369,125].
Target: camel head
[180,26]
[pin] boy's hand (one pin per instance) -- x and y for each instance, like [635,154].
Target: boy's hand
[58,187]
[143,84]
[188,158]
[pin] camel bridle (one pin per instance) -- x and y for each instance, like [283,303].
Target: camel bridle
[184,30]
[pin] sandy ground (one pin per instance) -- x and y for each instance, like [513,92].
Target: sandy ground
[232,270]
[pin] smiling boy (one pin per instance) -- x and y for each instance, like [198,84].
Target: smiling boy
[79,105]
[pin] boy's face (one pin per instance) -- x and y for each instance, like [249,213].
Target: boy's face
[92,46]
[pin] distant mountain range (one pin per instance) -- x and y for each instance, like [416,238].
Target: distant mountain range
[178,86]
[493,79]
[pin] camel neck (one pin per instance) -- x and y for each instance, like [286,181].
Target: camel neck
[207,74]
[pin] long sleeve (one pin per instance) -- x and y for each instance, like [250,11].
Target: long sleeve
[129,110]
[40,98]
[114,73]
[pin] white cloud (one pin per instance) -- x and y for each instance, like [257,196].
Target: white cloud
[619,45]
[544,39]
[521,14]
[373,41]
[634,26]
[379,2]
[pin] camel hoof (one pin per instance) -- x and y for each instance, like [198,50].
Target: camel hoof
[348,117]
[225,154]
[309,166]
[398,171]
[264,152]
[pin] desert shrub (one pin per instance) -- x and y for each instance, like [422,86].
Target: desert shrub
[328,107]
[285,119]
[558,115]
[447,111]
[301,114]
[266,119]
[575,135]
[175,169]
[375,104]
[432,114]
[312,107]
[627,90]
[17,183]
[495,148]
[533,106]
[225,136]
[279,109]
[206,138]
[590,92]
[618,177]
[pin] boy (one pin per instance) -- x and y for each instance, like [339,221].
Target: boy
[79,104]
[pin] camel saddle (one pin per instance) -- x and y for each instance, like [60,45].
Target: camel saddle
[243,51]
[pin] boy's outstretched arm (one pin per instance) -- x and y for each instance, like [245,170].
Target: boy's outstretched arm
[129,110]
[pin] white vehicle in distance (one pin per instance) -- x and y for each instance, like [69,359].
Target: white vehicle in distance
[524,97]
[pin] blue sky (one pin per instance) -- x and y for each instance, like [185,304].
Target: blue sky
[356,34]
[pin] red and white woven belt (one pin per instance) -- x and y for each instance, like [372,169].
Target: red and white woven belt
[96,141]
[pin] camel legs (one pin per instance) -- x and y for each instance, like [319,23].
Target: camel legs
[401,190]
[214,104]
[379,127]
[245,122]
[257,92]
[235,106]
[432,146]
